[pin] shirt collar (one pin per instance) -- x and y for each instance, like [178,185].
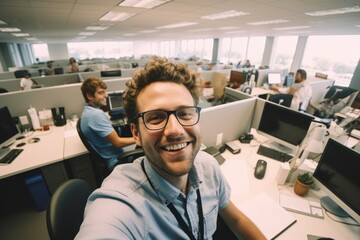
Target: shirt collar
[165,190]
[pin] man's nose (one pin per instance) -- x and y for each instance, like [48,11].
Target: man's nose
[173,127]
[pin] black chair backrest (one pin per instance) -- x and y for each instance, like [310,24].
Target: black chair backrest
[282,99]
[88,146]
[66,209]
[3,90]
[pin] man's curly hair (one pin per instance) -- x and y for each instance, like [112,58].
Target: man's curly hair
[158,70]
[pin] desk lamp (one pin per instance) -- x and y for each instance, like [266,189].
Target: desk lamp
[314,144]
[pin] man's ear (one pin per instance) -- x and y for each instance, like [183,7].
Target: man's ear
[88,96]
[136,134]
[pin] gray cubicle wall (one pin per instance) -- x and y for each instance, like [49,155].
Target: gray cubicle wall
[230,119]
[68,96]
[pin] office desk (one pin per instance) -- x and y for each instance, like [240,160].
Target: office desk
[239,171]
[45,152]
[258,91]
[73,145]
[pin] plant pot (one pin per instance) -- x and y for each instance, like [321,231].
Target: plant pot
[301,189]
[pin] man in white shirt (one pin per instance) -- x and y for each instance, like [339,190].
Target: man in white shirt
[301,91]
[26,83]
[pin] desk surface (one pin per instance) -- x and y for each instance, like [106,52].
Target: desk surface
[45,152]
[261,91]
[239,171]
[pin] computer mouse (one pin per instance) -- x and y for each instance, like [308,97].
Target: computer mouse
[260,169]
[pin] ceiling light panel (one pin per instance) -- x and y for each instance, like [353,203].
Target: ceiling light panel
[97,28]
[227,14]
[10,30]
[86,33]
[334,11]
[268,22]
[291,28]
[177,25]
[20,34]
[143,3]
[116,16]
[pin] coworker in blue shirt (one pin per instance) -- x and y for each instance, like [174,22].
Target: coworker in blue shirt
[175,191]
[96,125]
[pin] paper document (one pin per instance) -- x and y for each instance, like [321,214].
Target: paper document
[267,214]
[70,133]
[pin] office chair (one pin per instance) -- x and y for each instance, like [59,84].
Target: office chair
[3,90]
[59,70]
[282,99]
[100,169]
[20,73]
[66,209]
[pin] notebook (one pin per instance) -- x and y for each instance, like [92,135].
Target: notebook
[267,215]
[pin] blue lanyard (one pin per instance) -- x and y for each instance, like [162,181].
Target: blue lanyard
[177,215]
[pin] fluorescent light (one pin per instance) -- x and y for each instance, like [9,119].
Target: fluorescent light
[228,28]
[148,31]
[10,30]
[97,28]
[20,34]
[116,16]
[291,28]
[143,3]
[227,14]
[129,34]
[334,11]
[235,32]
[357,26]
[2,22]
[268,22]
[201,30]
[177,25]
[86,33]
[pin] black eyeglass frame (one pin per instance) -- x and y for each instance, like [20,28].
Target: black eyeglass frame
[168,113]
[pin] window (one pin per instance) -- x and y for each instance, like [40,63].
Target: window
[224,50]
[256,50]
[284,52]
[336,56]
[89,50]
[41,52]
[238,50]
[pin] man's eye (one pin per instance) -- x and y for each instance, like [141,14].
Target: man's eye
[155,118]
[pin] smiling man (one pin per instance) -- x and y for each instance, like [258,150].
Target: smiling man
[97,127]
[175,191]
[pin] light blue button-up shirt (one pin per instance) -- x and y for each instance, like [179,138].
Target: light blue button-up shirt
[127,207]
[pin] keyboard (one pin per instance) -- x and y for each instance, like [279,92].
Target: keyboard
[301,205]
[274,154]
[10,156]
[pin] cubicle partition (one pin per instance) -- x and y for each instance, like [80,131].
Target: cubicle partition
[230,120]
[68,96]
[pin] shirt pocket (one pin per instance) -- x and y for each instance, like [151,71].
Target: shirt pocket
[210,220]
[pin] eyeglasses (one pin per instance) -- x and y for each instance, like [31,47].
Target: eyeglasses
[157,119]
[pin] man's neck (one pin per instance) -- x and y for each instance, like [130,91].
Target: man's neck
[180,182]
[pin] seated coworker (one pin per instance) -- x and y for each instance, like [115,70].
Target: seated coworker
[301,91]
[175,191]
[96,126]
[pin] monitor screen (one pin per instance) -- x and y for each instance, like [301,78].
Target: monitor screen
[338,173]
[237,78]
[8,129]
[110,73]
[284,124]
[274,78]
[115,100]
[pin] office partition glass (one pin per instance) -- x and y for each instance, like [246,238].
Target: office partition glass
[284,51]
[336,56]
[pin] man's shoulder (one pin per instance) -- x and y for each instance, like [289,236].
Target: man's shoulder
[204,160]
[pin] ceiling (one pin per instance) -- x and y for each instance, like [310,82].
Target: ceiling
[61,21]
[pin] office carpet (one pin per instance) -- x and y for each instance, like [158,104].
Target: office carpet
[25,224]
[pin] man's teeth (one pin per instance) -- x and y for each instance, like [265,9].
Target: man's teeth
[175,147]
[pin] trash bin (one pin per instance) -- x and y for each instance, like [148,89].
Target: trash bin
[39,191]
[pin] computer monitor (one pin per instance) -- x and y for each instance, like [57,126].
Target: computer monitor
[285,126]
[8,130]
[337,174]
[110,73]
[115,107]
[274,78]
[237,78]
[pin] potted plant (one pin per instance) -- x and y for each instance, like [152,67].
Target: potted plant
[303,183]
